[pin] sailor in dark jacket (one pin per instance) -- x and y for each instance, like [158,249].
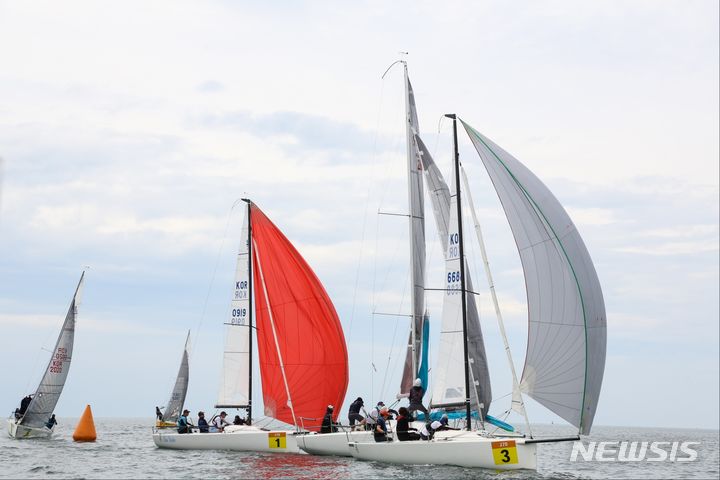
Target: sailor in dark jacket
[416,395]
[354,412]
[328,426]
[403,429]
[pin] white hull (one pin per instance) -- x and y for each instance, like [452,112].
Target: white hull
[21,431]
[332,443]
[241,438]
[455,448]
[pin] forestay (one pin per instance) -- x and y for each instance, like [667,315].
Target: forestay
[448,379]
[177,398]
[567,324]
[51,386]
[235,384]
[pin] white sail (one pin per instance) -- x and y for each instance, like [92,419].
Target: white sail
[235,385]
[451,345]
[51,386]
[177,397]
[413,358]
[567,336]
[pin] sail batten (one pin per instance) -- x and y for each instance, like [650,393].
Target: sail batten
[567,332]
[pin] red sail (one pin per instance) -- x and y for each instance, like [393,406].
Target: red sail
[297,328]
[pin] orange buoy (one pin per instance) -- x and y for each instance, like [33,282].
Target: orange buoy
[85,430]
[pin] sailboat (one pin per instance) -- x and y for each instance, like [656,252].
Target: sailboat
[567,332]
[177,397]
[33,422]
[301,347]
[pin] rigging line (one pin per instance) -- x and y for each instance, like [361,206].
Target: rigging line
[373,161]
[392,342]
[212,278]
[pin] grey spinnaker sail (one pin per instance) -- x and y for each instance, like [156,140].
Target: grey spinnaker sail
[443,392]
[414,367]
[177,398]
[51,386]
[567,331]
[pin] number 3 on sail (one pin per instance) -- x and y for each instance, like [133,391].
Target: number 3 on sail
[504,452]
[276,439]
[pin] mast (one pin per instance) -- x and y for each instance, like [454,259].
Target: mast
[411,223]
[250,312]
[462,273]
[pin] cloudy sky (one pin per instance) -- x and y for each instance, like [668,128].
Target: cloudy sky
[129,129]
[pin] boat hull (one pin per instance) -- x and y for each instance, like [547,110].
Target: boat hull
[332,443]
[464,450]
[21,431]
[239,438]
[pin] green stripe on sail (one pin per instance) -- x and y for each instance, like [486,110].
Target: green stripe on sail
[477,135]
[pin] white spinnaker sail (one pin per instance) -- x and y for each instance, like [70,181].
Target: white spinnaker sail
[417,245]
[234,385]
[448,377]
[567,332]
[51,386]
[177,397]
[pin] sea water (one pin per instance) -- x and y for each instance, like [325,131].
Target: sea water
[125,449]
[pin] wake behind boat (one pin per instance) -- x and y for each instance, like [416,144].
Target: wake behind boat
[35,419]
[301,346]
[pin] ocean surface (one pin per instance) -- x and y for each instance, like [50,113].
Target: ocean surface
[125,449]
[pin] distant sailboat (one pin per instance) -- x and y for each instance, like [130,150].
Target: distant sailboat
[302,352]
[177,397]
[567,336]
[33,422]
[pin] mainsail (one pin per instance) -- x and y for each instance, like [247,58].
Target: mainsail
[235,382]
[417,343]
[449,380]
[48,392]
[567,331]
[177,398]
[303,357]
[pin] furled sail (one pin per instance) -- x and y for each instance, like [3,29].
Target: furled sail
[51,386]
[567,332]
[303,357]
[414,367]
[235,382]
[177,398]
[449,378]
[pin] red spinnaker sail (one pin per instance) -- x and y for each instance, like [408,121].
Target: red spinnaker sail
[293,309]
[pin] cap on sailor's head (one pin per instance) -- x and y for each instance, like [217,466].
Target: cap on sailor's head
[417,382]
[330,407]
[381,404]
